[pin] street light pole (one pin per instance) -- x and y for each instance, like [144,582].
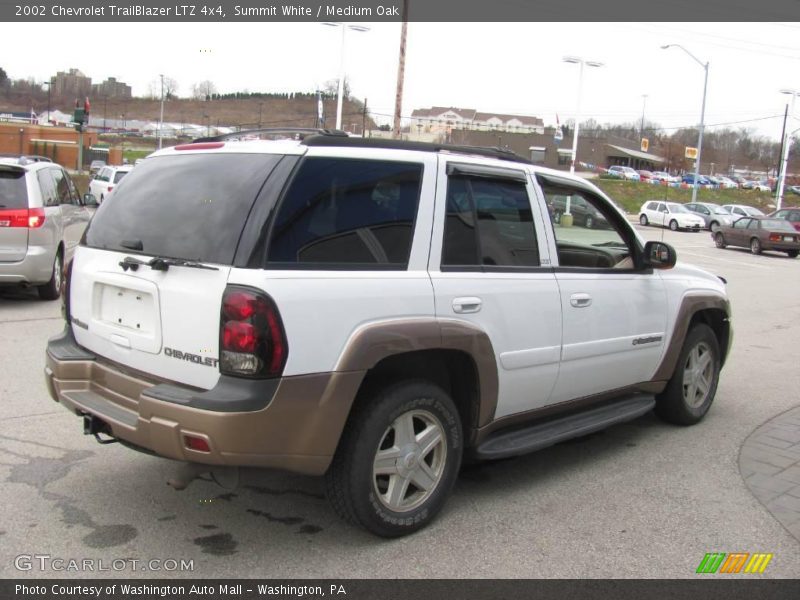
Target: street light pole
[702,115]
[340,92]
[49,84]
[161,116]
[782,177]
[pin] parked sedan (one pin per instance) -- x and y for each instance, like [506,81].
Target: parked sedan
[742,210]
[760,233]
[713,215]
[792,215]
[624,173]
[105,180]
[756,185]
[701,179]
[669,214]
[583,213]
[727,183]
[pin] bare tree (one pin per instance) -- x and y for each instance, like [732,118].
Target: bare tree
[203,90]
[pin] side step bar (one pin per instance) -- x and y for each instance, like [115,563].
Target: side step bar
[541,435]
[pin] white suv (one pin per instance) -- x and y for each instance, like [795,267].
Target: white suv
[372,311]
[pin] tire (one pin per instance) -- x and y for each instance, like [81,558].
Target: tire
[719,240]
[643,220]
[589,223]
[673,225]
[691,389]
[793,253]
[755,246]
[52,289]
[360,490]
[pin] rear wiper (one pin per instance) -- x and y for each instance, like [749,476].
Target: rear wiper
[161,264]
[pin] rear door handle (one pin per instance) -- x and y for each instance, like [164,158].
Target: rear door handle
[580,300]
[468,304]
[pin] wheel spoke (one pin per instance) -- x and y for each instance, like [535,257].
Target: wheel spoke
[403,430]
[398,486]
[423,477]
[428,439]
[704,361]
[703,385]
[386,461]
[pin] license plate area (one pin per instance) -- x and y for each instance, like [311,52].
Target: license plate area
[125,308]
[788,238]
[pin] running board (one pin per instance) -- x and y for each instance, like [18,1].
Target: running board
[542,435]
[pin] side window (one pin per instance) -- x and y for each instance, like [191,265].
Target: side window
[794,216]
[73,191]
[596,239]
[753,224]
[341,213]
[652,206]
[741,223]
[488,223]
[662,207]
[104,174]
[48,187]
[62,187]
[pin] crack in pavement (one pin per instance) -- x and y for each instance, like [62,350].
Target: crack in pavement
[39,472]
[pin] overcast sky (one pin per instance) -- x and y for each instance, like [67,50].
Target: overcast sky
[494,67]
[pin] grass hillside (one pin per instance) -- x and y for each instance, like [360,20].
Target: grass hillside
[630,195]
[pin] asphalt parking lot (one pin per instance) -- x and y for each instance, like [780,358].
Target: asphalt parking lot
[643,499]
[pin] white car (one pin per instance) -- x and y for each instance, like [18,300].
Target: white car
[624,173]
[727,183]
[669,214]
[371,311]
[106,179]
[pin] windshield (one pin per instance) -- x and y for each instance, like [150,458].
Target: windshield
[677,208]
[187,206]
[718,210]
[753,212]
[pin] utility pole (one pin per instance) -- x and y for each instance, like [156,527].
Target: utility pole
[49,84]
[401,71]
[783,141]
[161,116]
[364,119]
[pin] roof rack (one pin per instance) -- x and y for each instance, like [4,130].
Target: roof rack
[25,159]
[297,133]
[359,142]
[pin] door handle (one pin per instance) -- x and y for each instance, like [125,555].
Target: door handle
[467,305]
[580,300]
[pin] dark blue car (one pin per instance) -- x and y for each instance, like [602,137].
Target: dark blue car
[701,179]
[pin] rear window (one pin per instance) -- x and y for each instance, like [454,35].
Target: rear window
[776,224]
[119,175]
[189,206]
[13,192]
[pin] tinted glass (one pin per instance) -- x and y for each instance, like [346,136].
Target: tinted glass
[62,186]
[47,187]
[13,193]
[190,206]
[505,231]
[119,175]
[348,212]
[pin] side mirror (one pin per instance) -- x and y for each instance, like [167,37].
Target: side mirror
[90,200]
[658,255]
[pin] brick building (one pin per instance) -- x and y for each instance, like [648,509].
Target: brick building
[111,88]
[71,83]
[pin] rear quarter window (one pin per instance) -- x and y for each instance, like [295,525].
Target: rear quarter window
[347,213]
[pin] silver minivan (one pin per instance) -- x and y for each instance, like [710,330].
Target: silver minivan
[42,219]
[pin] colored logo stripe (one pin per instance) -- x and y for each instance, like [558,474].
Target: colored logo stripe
[734,562]
[711,562]
[758,563]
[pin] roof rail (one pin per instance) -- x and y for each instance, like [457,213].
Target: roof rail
[358,142]
[298,133]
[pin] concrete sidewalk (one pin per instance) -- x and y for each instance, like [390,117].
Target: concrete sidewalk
[769,462]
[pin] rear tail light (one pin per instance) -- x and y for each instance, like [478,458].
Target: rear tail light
[775,237]
[252,340]
[111,187]
[31,218]
[196,443]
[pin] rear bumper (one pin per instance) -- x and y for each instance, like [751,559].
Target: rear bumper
[297,429]
[36,268]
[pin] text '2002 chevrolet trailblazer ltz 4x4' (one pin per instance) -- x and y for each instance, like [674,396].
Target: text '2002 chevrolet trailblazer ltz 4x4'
[372,311]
